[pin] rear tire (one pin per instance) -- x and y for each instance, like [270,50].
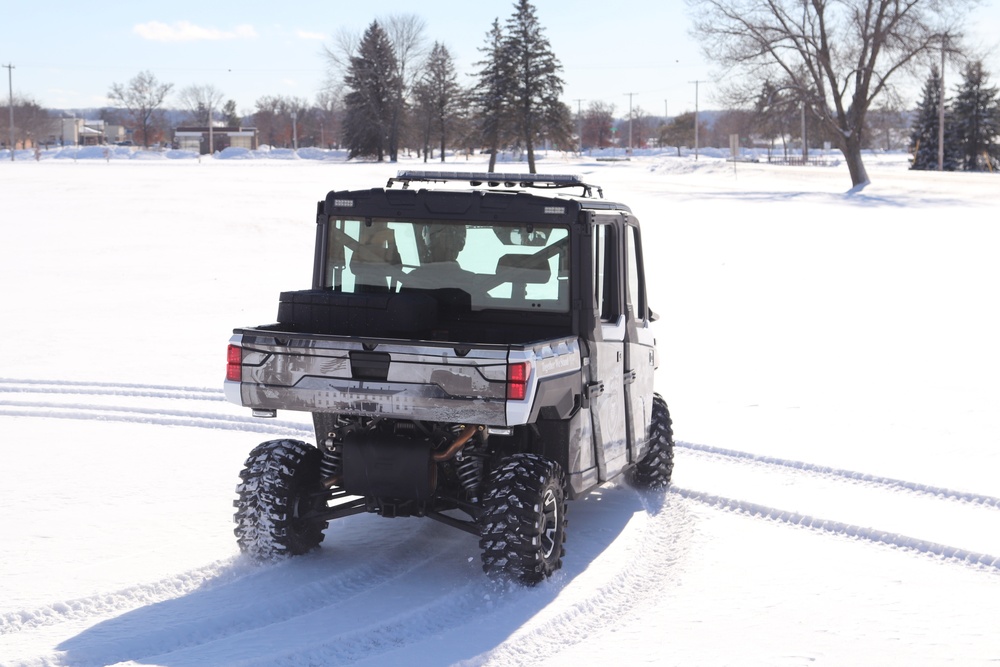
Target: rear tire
[654,470]
[280,484]
[523,526]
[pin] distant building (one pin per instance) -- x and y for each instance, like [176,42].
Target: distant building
[115,134]
[78,132]
[197,138]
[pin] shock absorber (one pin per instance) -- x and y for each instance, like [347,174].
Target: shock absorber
[470,472]
[332,466]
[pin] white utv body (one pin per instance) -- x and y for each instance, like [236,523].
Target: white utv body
[475,355]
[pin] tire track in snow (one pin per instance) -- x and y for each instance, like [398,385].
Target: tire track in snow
[279,427]
[102,604]
[11,385]
[865,478]
[346,581]
[35,398]
[610,599]
[660,546]
[261,599]
[470,605]
[318,593]
[158,416]
[852,531]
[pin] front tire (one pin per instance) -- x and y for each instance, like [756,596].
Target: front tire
[655,469]
[280,484]
[523,526]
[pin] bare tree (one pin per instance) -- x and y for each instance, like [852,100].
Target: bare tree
[728,123]
[836,55]
[273,118]
[888,125]
[345,44]
[201,102]
[598,119]
[641,127]
[329,115]
[141,97]
[31,122]
[406,32]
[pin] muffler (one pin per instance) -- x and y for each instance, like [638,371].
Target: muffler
[388,466]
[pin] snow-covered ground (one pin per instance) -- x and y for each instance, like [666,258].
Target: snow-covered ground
[830,359]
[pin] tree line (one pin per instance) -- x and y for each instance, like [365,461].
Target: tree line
[812,72]
[396,92]
[832,60]
[971,127]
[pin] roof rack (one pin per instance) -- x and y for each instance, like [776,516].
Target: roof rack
[495,179]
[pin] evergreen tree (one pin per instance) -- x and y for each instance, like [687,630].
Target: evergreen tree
[491,95]
[976,115]
[924,136]
[438,95]
[778,115]
[229,116]
[535,84]
[370,106]
[680,131]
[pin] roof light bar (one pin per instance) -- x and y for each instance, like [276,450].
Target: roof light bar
[496,179]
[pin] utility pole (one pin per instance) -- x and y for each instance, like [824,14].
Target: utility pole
[805,143]
[579,126]
[696,117]
[630,122]
[944,43]
[10,86]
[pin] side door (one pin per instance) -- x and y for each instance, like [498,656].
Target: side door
[606,389]
[640,345]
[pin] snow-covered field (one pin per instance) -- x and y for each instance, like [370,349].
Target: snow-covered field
[831,361]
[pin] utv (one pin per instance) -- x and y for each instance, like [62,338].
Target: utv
[477,355]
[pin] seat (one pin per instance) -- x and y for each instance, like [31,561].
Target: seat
[521,271]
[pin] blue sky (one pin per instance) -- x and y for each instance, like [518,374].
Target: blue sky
[68,54]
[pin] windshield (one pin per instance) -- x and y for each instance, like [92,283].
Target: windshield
[494,266]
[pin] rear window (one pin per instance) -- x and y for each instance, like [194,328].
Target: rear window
[502,266]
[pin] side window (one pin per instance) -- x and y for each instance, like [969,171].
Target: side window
[636,289]
[605,273]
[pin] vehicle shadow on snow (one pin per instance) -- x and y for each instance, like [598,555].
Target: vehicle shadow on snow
[377,589]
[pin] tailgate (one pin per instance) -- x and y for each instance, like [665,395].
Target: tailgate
[398,380]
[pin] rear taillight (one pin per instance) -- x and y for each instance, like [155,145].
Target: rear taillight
[517,380]
[234,363]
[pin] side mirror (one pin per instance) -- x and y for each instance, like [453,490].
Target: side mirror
[653,317]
